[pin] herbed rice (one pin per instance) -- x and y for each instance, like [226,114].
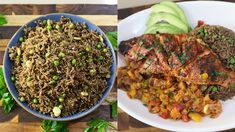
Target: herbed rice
[80,83]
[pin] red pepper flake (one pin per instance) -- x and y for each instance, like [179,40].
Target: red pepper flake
[200,23]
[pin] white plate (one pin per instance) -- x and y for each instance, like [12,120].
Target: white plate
[212,12]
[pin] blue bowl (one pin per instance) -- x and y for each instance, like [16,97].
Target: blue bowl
[7,63]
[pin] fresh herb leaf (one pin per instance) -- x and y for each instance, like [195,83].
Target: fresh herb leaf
[201,32]
[3,88]
[2,19]
[7,101]
[98,125]
[114,108]
[214,88]
[112,36]
[183,58]
[231,60]
[54,126]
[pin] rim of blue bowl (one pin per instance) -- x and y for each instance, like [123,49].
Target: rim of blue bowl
[12,89]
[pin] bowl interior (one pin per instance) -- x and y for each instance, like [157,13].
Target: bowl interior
[8,63]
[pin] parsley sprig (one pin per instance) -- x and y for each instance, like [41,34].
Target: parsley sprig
[7,100]
[112,36]
[98,125]
[54,126]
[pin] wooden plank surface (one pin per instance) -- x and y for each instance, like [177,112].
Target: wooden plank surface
[126,123]
[105,16]
[100,20]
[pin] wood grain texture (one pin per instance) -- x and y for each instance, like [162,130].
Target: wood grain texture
[80,9]
[100,20]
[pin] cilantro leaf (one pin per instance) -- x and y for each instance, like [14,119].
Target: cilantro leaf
[54,126]
[98,125]
[112,36]
[2,20]
[7,100]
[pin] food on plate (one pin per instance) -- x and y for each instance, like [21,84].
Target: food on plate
[221,40]
[59,68]
[182,56]
[166,68]
[170,15]
[167,96]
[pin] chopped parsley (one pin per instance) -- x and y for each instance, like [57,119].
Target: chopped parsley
[183,58]
[231,61]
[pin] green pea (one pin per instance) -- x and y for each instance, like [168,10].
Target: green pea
[49,27]
[98,46]
[44,22]
[108,76]
[74,62]
[22,99]
[62,54]
[35,101]
[82,63]
[92,72]
[64,95]
[31,52]
[52,82]
[12,78]
[29,79]
[57,26]
[88,49]
[55,78]
[47,55]
[81,53]
[56,63]
[214,88]
[71,26]
[61,106]
[85,87]
[48,22]
[21,39]
[101,58]
[101,38]
[105,50]
[90,59]
[61,99]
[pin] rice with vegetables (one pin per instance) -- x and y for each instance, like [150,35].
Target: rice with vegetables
[60,68]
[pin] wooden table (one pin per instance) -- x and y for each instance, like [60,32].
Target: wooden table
[127,123]
[105,16]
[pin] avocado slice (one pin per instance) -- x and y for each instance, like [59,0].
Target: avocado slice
[179,11]
[166,17]
[163,8]
[163,28]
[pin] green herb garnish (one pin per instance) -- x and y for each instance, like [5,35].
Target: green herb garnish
[214,88]
[2,19]
[231,60]
[201,32]
[183,58]
[98,125]
[215,73]
[54,126]
[7,101]
[112,36]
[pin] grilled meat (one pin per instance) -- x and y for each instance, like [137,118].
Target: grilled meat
[182,56]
